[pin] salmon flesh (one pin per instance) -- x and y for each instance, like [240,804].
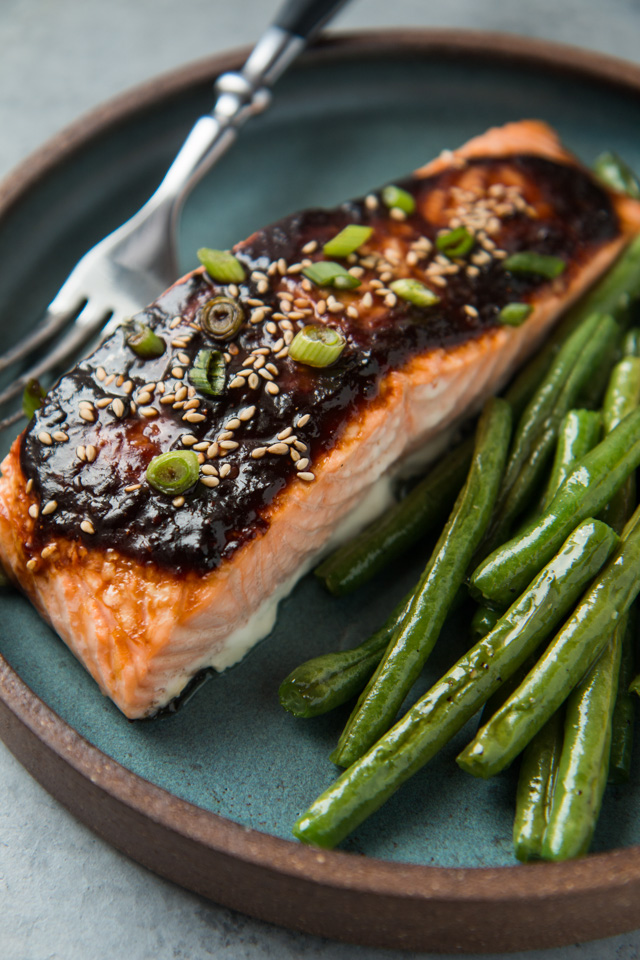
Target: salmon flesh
[148,589]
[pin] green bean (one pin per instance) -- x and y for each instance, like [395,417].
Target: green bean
[326,682]
[617,174]
[613,294]
[582,772]
[535,789]
[624,711]
[572,652]
[622,397]
[453,700]
[403,525]
[415,637]
[591,484]
[579,433]
[595,342]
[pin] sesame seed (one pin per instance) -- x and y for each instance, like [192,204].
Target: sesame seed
[152,386]
[321,306]
[282,353]
[367,300]
[397,214]
[127,387]
[49,551]
[132,487]
[472,272]
[299,445]
[263,286]
[177,372]
[194,417]
[91,452]
[295,268]
[500,254]
[101,373]
[390,300]
[285,433]
[200,458]
[192,404]
[257,316]
[31,564]
[278,345]
[258,452]
[226,435]
[353,312]
[118,408]
[86,414]
[307,285]
[371,201]
[188,440]
[271,367]
[183,358]
[209,470]
[285,306]
[386,277]
[175,323]
[149,412]
[213,450]
[29,486]
[34,511]
[110,379]
[181,392]
[294,454]
[103,402]
[45,438]
[308,477]
[228,445]
[225,470]
[81,453]
[87,527]
[310,247]
[203,445]
[179,342]
[60,436]
[282,266]
[270,327]
[302,464]
[120,380]
[278,448]
[144,397]
[303,420]
[265,374]
[258,275]
[168,398]
[49,507]
[470,310]
[439,281]
[246,413]
[178,502]
[272,269]
[209,481]
[272,388]
[259,362]
[288,336]
[233,424]
[178,405]
[233,290]
[236,382]
[233,349]
[254,381]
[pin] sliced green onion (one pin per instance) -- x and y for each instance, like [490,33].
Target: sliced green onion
[515,314]
[456,243]
[347,241]
[415,292]
[221,265]
[393,196]
[208,373]
[32,398]
[326,273]
[317,345]
[221,318]
[144,341]
[538,263]
[617,174]
[174,472]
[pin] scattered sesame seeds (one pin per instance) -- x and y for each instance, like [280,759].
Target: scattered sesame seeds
[397,214]
[132,487]
[226,435]
[49,507]
[213,451]
[29,486]
[278,448]
[120,380]
[307,285]
[178,501]
[233,290]
[352,312]
[203,445]
[390,300]
[271,367]
[48,551]
[258,315]
[282,353]
[254,381]
[177,372]
[118,408]
[470,310]
[45,438]
[234,350]
[60,436]
[101,373]
[272,388]
[144,397]
[175,323]
[259,362]
[271,327]
[193,417]
[304,420]
[34,511]
[127,387]
[236,382]
[188,440]
[209,470]
[87,414]
[168,398]
[91,452]
[302,464]
[210,481]
[285,433]
[308,477]
[278,345]
[263,286]
[246,413]
[183,358]
[109,379]
[265,374]
[294,454]
[81,452]
[232,424]
[181,393]
[310,247]
[225,469]
[87,527]
[299,445]
[229,445]
[192,404]
[31,564]
[371,201]
[258,452]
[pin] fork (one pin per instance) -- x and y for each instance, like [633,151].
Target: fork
[131,266]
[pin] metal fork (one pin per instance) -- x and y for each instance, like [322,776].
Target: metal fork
[131,266]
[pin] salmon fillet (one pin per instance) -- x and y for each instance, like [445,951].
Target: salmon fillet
[147,589]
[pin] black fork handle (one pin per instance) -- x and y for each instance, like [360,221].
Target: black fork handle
[305,18]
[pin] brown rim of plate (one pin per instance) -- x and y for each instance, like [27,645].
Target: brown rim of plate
[328,893]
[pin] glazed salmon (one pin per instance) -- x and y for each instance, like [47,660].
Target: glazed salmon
[147,588]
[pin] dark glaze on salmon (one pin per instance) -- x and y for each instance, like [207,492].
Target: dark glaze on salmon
[562,213]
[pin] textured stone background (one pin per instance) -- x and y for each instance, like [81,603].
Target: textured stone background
[64,894]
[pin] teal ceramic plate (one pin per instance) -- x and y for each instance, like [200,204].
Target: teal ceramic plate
[355,113]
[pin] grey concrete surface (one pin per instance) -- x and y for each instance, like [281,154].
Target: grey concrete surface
[64,894]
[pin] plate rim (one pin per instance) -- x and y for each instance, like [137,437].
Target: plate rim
[372,901]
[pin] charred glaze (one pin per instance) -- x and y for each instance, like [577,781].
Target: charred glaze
[562,213]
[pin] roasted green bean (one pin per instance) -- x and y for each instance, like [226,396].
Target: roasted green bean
[617,174]
[446,707]
[536,782]
[624,711]
[414,638]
